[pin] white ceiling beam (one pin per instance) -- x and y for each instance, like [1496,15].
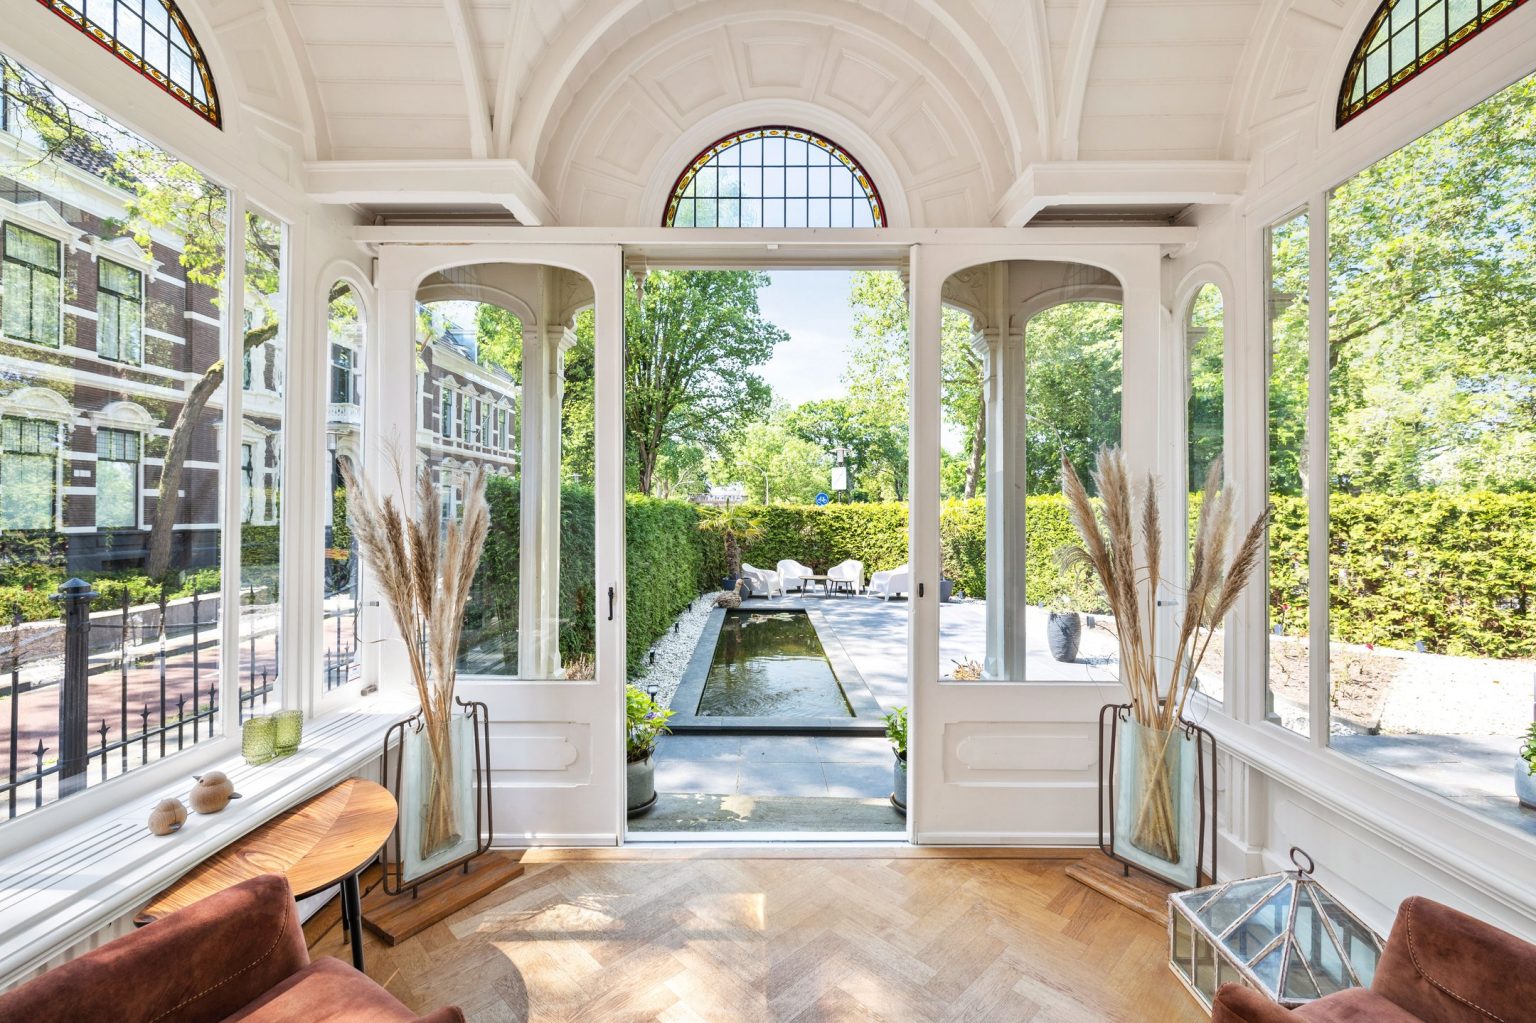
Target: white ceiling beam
[430,183]
[478,108]
[1120,183]
[509,79]
[1080,50]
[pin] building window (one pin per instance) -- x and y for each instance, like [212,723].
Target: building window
[774,176]
[466,415]
[152,36]
[1403,38]
[445,415]
[343,382]
[247,482]
[119,312]
[33,296]
[29,458]
[117,479]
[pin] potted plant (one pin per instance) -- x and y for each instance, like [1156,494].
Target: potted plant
[647,722]
[896,732]
[1525,769]
[1063,631]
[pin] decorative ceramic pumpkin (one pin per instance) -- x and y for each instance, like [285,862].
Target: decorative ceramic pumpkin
[212,792]
[168,816]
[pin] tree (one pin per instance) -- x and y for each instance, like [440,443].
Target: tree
[965,398]
[692,340]
[499,339]
[778,466]
[1072,388]
[877,378]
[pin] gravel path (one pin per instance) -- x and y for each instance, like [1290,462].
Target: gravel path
[674,649]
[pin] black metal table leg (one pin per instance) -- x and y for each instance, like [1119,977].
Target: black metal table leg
[352,914]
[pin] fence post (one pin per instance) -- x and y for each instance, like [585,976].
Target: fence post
[15,700]
[122,663]
[74,599]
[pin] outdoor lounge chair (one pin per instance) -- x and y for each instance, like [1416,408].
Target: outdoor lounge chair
[848,575]
[793,574]
[896,582]
[761,582]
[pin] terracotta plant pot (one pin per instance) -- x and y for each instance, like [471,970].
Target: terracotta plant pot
[640,786]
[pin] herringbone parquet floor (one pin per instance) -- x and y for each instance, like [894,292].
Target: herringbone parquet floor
[794,940]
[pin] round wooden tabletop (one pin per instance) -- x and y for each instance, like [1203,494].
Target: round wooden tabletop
[314,845]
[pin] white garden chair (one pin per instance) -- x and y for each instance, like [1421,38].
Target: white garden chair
[848,575]
[760,581]
[892,583]
[793,574]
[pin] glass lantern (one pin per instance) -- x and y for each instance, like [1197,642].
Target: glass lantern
[1282,934]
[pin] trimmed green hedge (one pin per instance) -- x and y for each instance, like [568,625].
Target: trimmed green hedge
[666,559]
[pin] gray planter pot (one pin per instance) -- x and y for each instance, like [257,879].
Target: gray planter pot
[640,785]
[899,785]
[1525,783]
[1063,633]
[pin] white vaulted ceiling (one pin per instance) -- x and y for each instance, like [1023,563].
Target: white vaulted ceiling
[587,109]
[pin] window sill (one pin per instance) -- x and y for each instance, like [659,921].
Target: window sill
[60,891]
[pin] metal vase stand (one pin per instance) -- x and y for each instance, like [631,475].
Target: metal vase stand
[393,768]
[1111,716]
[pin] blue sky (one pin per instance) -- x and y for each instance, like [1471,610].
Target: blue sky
[812,305]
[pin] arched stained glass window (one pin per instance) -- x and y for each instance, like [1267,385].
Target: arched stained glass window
[774,176]
[153,37]
[1406,36]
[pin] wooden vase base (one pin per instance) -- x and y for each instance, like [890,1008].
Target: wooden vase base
[394,918]
[1137,892]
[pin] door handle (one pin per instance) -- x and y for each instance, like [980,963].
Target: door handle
[919,589]
[610,603]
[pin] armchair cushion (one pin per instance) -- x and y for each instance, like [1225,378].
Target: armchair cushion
[1447,967]
[198,965]
[329,991]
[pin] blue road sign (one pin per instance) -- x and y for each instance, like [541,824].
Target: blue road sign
[822,498]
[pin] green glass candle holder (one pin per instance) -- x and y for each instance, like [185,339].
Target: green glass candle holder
[289,730]
[258,740]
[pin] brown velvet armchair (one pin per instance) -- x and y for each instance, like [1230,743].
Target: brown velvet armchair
[1440,966]
[235,956]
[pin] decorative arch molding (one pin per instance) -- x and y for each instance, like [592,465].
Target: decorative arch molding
[154,38]
[38,403]
[448,291]
[1194,280]
[1108,294]
[1020,96]
[124,415]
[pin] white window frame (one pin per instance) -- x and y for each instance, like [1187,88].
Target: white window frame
[136,355]
[5,284]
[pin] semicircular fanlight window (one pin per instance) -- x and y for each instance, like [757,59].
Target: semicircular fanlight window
[153,37]
[774,176]
[1403,38]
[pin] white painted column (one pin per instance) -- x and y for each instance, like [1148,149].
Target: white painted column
[539,553]
[1003,364]
[1143,432]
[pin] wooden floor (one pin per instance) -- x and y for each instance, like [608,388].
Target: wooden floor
[732,940]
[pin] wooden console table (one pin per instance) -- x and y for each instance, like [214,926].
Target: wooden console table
[324,841]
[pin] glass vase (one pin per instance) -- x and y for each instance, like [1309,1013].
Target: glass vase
[258,740]
[288,728]
[437,796]
[1156,809]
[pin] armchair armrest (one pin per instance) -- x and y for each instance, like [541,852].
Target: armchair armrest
[1238,1004]
[447,1014]
[200,964]
[1441,964]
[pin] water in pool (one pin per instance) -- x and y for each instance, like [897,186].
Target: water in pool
[771,665]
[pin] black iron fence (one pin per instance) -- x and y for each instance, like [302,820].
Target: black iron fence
[166,698]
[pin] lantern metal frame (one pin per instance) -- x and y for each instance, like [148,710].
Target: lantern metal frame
[1224,962]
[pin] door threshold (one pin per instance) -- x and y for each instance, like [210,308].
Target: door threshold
[707,838]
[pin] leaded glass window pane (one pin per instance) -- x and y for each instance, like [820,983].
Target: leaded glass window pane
[1405,37]
[774,177]
[152,36]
